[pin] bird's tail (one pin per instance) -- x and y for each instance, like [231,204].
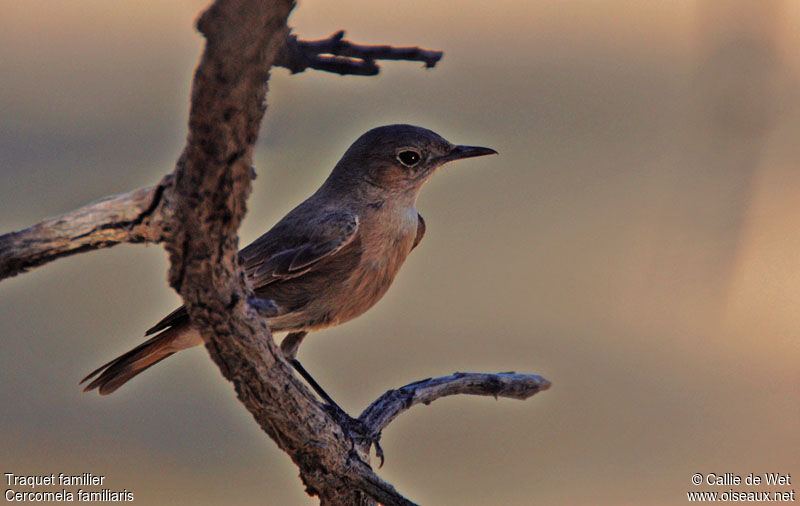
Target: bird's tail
[117,372]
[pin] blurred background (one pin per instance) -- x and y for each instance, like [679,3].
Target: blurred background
[636,243]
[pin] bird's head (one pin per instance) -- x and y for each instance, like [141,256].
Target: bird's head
[398,159]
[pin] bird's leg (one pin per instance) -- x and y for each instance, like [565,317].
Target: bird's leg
[291,343]
[289,347]
[311,381]
[354,429]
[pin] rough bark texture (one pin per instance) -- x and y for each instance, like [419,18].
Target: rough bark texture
[196,212]
[131,217]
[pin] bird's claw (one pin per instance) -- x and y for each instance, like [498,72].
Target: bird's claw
[356,431]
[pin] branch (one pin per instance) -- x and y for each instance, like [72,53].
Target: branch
[387,407]
[212,182]
[340,56]
[132,217]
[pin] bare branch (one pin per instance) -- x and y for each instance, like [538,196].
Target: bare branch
[340,56]
[131,217]
[380,413]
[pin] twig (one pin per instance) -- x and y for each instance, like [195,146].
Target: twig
[340,56]
[387,407]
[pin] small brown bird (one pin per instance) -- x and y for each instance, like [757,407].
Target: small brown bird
[333,256]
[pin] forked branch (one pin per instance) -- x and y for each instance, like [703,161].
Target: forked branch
[340,56]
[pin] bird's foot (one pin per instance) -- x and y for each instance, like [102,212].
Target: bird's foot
[356,431]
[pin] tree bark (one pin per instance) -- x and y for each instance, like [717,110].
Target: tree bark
[132,217]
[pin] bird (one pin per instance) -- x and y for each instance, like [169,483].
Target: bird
[329,259]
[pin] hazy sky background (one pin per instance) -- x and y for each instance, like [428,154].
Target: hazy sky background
[636,242]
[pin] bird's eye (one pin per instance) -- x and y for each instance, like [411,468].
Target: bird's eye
[409,158]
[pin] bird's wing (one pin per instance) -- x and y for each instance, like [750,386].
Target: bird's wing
[420,231]
[292,253]
[286,252]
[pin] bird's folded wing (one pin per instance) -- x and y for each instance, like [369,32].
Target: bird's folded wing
[295,252]
[286,252]
[420,231]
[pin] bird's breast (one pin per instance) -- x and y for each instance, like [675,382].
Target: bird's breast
[351,282]
[386,242]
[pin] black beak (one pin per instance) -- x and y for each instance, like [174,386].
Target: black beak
[460,152]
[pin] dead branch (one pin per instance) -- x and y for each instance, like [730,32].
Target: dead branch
[387,407]
[340,56]
[132,217]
